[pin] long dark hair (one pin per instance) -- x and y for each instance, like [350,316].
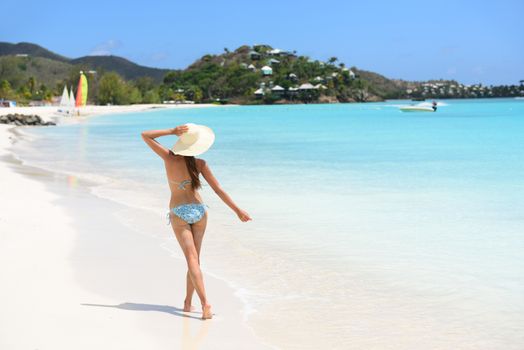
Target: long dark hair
[193,172]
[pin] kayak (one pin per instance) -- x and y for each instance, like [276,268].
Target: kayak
[416,109]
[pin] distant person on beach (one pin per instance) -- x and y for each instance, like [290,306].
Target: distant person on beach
[187,212]
[434,106]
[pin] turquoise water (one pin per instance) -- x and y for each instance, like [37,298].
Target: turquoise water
[372,228]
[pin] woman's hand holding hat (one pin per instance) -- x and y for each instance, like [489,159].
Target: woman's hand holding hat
[179,130]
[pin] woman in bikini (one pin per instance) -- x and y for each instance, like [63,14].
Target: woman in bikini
[187,212]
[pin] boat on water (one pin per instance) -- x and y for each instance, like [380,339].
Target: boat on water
[417,109]
[420,108]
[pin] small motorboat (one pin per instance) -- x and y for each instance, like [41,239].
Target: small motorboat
[417,109]
[420,108]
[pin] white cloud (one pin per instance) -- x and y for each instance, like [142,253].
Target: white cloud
[106,48]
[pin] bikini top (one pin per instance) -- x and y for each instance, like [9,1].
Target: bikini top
[181,185]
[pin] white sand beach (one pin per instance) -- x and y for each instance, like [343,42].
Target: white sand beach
[73,277]
[50,112]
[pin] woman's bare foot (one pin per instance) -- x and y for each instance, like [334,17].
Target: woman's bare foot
[188,307]
[206,312]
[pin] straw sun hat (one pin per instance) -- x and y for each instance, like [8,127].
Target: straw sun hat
[195,141]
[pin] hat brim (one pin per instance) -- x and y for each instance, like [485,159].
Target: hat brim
[206,137]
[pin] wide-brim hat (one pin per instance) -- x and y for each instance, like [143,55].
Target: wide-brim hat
[195,141]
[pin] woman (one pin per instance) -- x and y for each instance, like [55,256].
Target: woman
[187,212]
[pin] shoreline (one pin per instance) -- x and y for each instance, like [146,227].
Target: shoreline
[73,225]
[50,113]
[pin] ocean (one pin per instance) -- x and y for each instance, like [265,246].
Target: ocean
[372,228]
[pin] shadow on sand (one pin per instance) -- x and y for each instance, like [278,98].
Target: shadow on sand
[190,340]
[148,307]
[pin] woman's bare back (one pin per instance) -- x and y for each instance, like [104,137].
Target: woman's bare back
[179,181]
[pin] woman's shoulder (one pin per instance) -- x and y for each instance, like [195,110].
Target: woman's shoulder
[200,163]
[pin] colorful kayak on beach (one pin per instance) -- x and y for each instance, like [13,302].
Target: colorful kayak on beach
[81,93]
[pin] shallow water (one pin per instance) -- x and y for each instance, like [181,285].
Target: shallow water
[372,228]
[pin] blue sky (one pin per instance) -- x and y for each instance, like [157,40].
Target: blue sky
[471,41]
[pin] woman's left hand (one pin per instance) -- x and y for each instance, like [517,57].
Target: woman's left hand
[243,215]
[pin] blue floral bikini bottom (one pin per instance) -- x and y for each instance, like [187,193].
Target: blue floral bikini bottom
[190,213]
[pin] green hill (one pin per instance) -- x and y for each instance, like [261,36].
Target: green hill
[49,70]
[125,68]
[18,70]
[33,50]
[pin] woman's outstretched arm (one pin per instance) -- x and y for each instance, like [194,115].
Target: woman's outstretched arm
[215,185]
[149,137]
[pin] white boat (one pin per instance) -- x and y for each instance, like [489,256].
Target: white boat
[72,101]
[64,103]
[417,109]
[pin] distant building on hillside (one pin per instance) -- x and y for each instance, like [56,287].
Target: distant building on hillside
[259,93]
[273,61]
[254,55]
[267,70]
[278,90]
[279,52]
[306,86]
[252,68]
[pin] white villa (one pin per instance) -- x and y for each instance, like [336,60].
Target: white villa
[278,90]
[306,86]
[259,92]
[267,70]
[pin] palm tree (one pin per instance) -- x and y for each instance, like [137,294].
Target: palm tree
[31,84]
[332,60]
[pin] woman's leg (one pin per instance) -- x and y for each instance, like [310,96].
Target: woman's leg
[185,239]
[198,230]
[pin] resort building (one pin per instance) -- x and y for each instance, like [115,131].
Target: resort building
[306,86]
[278,90]
[267,70]
[254,55]
[252,68]
[273,61]
[259,93]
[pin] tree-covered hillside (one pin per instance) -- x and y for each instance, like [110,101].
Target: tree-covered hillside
[262,74]
[258,74]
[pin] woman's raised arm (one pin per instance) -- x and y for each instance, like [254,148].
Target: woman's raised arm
[149,137]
